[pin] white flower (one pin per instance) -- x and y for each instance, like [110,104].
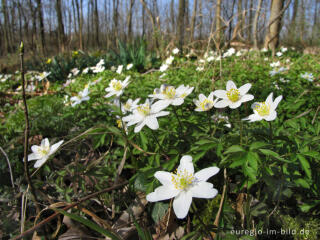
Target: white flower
[283,49]
[42,76]
[175,51]
[277,71]
[284,80]
[75,71]
[116,87]
[279,54]
[275,64]
[200,68]
[232,96]
[145,114]
[239,53]
[170,95]
[129,66]
[229,52]
[210,59]
[265,59]
[183,186]
[162,75]
[70,75]
[113,68]
[204,103]
[307,76]
[97,69]
[86,70]
[202,61]
[163,68]
[220,118]
[264,50]
[169,60]
[30,88]
[82,96]
[119,70]
[265,110]
[43,152]
[130,105]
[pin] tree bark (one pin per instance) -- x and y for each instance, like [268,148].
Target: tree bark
[129,20]
[255,26]
[7,44]
[41,27]
[181,23]
[272,37]
[172,17]
[193,20]
[96,22]
[61,36]
[200,19]
[218,25]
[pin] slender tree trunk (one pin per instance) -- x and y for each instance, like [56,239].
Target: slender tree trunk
[115,20]
[181,23]
[7,44]
[172,16]
[96,22]
[193,20]
[61,36]
[218,25]
[129,20]
[75,17]
[249,27]
[272,37]
[255,25]
[20,21]
[200,19]
[41,27]
[143,20]
[240,17]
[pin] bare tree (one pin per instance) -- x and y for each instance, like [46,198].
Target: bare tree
[193,19]
[218,25]
[129,20]
[6,26]
[61,37]
[41,27]
[96,22]
[181,22]
[255,25]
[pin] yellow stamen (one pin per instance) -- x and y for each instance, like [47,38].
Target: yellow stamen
[206,104]
[144,109]
[170,92]
[116,85]
[262,108]
[182,180]
[233,95]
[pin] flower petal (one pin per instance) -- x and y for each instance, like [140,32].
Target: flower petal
[40,162]
[55,147]
[245,88]
[247,97]
[33,156]
[186,164]
[162,193]
[161,114]
[272,116]
[276,102]
[45,143]
[234,105]
[181,204]
[222,103]
[139,127]
[204,190]
[269,100]
[177,101]
[151,122]
[220,94]
[163,177]
[206,173]
[160,105]
[230,85]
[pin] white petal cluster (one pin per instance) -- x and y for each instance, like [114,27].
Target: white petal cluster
[169,95]
[183,185]
[99,67]
[82,96]
[42,76]
[204,103]
[265,110]
[229,52]
[130,105]
[129,66]
[175,51]
[43,152]
[232,97]
[116,87]
[145,114]
[119,69]
[307,76]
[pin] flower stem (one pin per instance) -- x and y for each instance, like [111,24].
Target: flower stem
[156,139]
[209,121]
[241,127]
[175,113]
[271,132]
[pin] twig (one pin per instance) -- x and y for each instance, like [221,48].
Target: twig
[216,221]
[53,216]
[9,165]
[315,116]
[26,131]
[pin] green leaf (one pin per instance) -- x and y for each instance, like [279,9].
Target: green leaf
[89,224]
[302,182]
[234,149]
[257,145]
[305,165]
[253,159]
[158,211]
[144,140]
[268,152]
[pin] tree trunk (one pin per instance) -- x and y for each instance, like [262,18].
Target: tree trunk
[80,22]
[249,27]
[41,27]
[193,20]
[172,16]
[115,20]
[240,17]
[75,17]
[255,26]
[218,25]
[200,19]
[181,23]
[7,44]
[272,37]
[129,21]
[96,22]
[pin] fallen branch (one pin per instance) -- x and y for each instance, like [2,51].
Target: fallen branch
[53,216]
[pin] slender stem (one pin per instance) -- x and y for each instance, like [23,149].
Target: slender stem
[200,220]
[53,216]
[156,139]
[241,127]
[209,121]
[271,132]
[9,165]
[175,113]
[26,131]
